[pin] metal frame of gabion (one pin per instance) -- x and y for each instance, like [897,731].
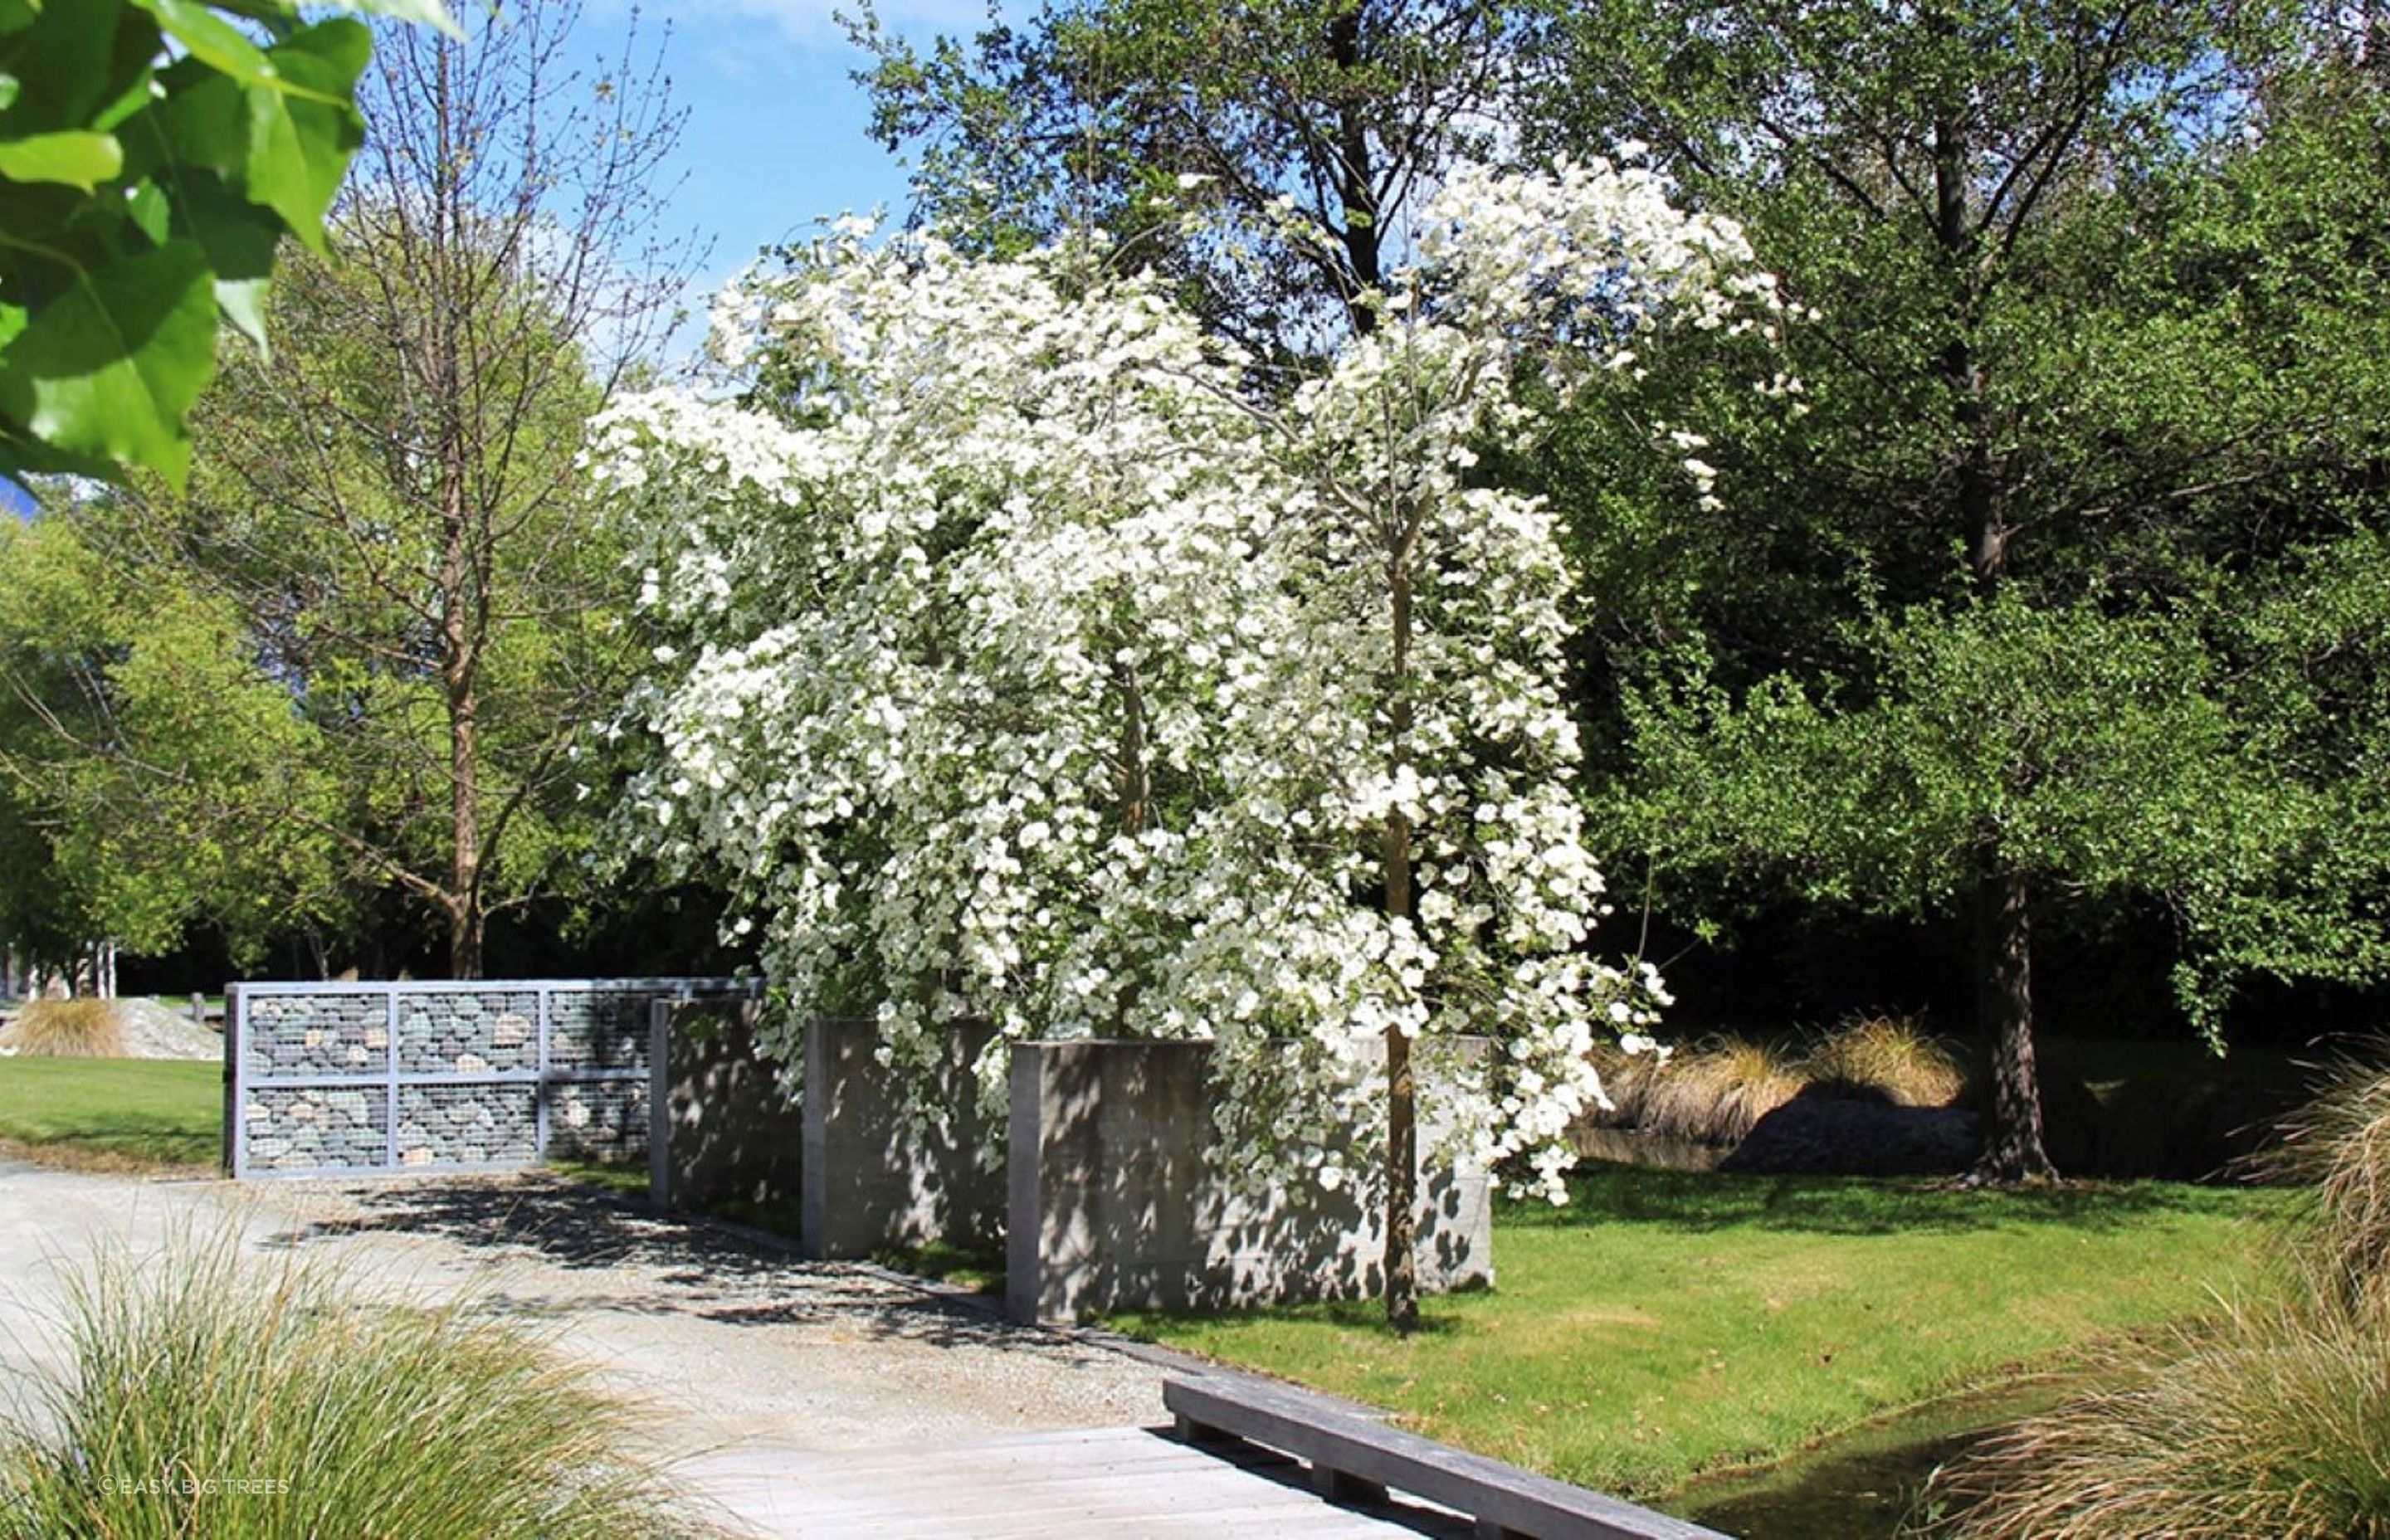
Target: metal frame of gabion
[369,1069]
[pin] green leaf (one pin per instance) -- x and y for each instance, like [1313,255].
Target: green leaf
[239,238]
[9,87]
[110,369]
[298,149]
[18,15]
[219,44]
[75,159]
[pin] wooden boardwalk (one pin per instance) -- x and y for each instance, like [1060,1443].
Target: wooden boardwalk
[1106,1484]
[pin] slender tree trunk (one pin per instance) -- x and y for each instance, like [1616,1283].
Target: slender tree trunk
[1402,1108]
[459,639]
[1357,186]
[2002,899]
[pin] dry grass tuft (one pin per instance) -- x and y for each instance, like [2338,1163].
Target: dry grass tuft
[1715,1091]
[2266,1420]
[1893,1056]
[66,1029]
[2338,1144]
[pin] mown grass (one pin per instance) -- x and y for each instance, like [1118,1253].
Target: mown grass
[1665,1323]
[126,1114]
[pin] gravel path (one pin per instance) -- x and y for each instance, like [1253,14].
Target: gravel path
[732,1344]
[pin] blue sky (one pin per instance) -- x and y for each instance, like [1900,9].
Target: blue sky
[776,133]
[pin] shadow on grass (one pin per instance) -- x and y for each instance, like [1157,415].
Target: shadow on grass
[1699,1202]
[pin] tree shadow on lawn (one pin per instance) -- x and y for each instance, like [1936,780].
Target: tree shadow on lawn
[1603,1195]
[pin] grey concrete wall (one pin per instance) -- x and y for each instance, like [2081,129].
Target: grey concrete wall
[874,1177]
[1116,1199]
[723,1128]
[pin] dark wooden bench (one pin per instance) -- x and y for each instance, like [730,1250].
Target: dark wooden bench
[1355,1457]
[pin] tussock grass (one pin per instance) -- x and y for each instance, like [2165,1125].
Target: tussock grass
[2268,1417]
[65,1028]
[213,1393]
[1892,1057]
[2337,1146]
[1718,1089]
[1715,1090]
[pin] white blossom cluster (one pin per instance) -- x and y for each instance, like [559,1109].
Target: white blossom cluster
[1028,667]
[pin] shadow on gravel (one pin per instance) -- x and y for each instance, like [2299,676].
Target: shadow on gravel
[663,1264]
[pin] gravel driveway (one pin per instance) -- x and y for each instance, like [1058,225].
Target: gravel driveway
[733,1344]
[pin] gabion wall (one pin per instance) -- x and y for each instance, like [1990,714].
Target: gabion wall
[348,1079]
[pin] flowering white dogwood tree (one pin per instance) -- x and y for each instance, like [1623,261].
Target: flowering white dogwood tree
[1036,667]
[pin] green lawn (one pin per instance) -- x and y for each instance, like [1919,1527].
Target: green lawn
[124,1113]
[1665,1323]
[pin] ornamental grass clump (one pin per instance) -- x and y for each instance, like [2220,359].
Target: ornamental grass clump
[2338,1148]
[1717,1091]
[2266,1420]
[2269,1417]
[1892,1057]
[65,1028]
[215,1394]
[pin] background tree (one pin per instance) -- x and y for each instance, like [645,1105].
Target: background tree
[152,155]
[144,765]
[1307,133]
[2063,414]
[392,500]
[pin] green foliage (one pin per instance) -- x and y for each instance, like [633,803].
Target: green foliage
[1124,115]
[152,155]
[1663,1324]
[152,774]
[2066,565]
[216,1393]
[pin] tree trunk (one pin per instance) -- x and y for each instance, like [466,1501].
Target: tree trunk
[1357,186]
[460,637]
[1402,1109]
[2012,1146]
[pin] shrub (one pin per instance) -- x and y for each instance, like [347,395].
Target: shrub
[1892,1057]
[201,1368]
[66,1029]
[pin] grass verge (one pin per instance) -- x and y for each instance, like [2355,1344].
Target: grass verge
[1665,1323]
[113,1115]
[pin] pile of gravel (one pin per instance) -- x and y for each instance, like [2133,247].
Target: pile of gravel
[153,1031]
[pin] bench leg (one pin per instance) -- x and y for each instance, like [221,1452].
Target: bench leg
[1338,1487]
[1192,1431]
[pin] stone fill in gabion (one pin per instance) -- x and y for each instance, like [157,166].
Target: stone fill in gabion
[311,1128]
[598,1120]
[467,1126]
[468,1033]
[320,1035]
[598,1029]
[467,1062]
